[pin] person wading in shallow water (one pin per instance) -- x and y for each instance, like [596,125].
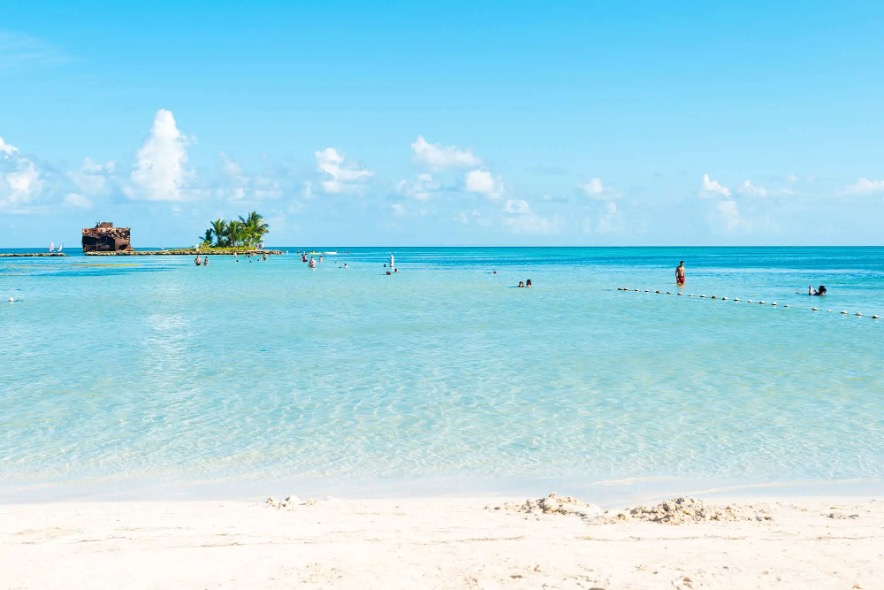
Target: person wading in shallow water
[679,273]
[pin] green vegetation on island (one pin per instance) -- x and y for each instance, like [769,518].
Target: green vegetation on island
[243,233]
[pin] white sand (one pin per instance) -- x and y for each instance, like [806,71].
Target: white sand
[433,543]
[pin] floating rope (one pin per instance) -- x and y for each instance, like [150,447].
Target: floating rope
[737,300]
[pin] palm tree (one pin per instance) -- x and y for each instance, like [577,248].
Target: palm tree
[207,239]
[220,229]
[254,227]
[235,233]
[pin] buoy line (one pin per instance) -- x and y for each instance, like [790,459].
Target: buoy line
[737,300]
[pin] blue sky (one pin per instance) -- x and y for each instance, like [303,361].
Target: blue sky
[456,123]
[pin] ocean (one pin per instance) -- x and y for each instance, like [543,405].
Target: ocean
[149,377]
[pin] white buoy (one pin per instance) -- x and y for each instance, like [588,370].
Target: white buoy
[748,301]
[843,312]
[874,317]
[737,299]
[787,305]
[774,304]
[12,299]
[702,296]
[647,291]
[761,303]
[724,298]
[680,294]
[859,315]
[814,309]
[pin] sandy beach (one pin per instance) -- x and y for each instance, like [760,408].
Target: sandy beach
[443,542]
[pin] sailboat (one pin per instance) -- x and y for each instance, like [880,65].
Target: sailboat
[51,246]
[60,246]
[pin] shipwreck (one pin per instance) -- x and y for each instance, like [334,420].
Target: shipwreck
[104,237]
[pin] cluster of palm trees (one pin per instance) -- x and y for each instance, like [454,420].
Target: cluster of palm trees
[246,232]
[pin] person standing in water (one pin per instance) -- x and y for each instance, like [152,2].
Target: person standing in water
[679,273]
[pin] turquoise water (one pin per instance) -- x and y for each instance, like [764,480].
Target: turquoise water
[150,377]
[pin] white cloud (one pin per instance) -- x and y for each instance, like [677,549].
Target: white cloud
[728,214]
[398,209]
[438,157]
[517,206]
[237,182]
[532,225]
[265,188]
[421,188]
[750,190]
[469,216]
[594,189]
[342,176]
[20,181]
[7,150]
[77,200]
[481,181]
[92,178]
[713,187]
[24,181]
[610,221]
[864,186]
[522,220]
[230,167]
[160,172]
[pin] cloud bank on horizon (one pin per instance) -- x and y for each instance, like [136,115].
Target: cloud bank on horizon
[622,137]
[443,191]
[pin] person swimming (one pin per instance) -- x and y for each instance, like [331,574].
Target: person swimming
[819,292]
[528,283]
[521,285]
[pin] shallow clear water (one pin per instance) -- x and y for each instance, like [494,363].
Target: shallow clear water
[148,376]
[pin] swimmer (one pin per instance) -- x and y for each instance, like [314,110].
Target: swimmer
[206,261]
[528,284]
[198,261]
[679,274]
[521,285]
[819,292]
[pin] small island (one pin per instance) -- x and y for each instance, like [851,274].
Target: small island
[243,235]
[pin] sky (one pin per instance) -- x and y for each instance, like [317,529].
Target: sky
[445,123]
